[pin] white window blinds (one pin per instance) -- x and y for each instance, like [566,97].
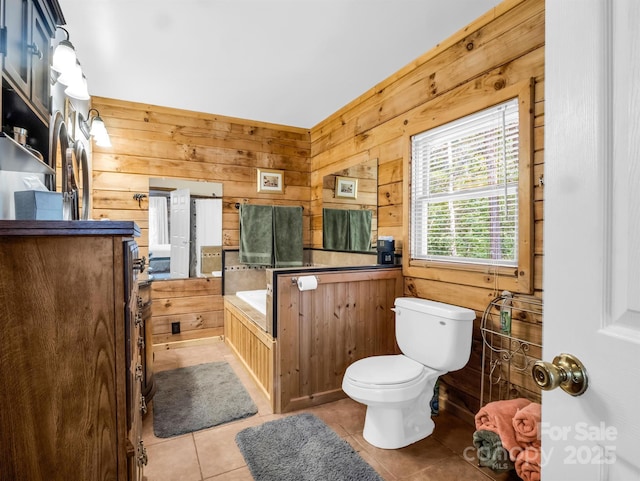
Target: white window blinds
[464,189]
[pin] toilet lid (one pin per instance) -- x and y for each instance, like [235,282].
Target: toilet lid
[383,370]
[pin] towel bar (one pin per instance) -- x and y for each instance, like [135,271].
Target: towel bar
[237,205]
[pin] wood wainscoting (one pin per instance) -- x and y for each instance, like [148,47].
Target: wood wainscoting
[195,303]
[252,345]
[321,332]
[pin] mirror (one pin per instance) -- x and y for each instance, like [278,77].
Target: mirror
[82,181]
[70,188]
[59,146]
[71,164]
[354,188]
[185,229]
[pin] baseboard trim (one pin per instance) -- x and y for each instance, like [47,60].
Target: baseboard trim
[188,343]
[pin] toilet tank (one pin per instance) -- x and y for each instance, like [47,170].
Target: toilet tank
[435,334]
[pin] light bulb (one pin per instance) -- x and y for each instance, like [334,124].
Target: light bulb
[64,57]
[78,89]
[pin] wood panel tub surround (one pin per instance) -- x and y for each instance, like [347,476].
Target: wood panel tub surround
[321,332]
[251,344]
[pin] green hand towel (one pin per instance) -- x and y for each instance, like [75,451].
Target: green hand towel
[335,229]
[491,453]
[256,234]
[287,236]
[360,230]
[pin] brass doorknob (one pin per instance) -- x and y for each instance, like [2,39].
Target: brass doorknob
[566,371]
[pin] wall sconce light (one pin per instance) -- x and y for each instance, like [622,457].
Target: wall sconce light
[76,83]
[98,130]
[64,57]
[70,74]
[65,61]
[78,88]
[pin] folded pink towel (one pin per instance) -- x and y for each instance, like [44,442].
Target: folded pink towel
[528,464]
[487,415]
[525,424]
[497,416]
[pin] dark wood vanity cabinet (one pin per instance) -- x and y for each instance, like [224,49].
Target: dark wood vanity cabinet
[71,362]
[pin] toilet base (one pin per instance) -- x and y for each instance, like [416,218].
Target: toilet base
[397,426]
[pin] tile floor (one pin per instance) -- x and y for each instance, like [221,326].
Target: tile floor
[212,454]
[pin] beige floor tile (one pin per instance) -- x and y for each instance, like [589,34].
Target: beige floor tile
[165,359]
[240,474]
[173,460]
[367,457]
[199,354]
[453,433]
[217,448]
[407,461]
[448,469]
[346,414]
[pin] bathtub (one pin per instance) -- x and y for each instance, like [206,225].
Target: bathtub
[256,299]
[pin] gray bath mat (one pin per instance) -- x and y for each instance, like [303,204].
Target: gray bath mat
[197,397]
[301,448]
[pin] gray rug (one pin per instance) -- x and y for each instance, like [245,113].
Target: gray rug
[197,397]
[301,448]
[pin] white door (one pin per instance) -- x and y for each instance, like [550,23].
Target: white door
[208,227]
[592,237]
[179,233]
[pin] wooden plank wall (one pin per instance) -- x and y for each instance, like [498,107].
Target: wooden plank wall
[502,48]
[196,304]
[153,141]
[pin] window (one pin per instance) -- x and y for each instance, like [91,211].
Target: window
[464,199]
[469,198]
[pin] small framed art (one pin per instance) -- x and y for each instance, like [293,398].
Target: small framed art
[270,181]
[346,188]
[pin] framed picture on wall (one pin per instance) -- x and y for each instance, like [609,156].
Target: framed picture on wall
[270,180]
[346,188]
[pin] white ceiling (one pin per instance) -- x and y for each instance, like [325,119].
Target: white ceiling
[290,62]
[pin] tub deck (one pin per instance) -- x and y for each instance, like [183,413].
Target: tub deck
[256,299]
[249,303]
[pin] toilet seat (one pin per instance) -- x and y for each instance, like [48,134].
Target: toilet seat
[380,372]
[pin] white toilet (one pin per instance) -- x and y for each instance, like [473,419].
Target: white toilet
[435,338]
